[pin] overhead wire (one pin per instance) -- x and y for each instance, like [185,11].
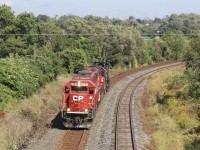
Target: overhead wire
[87,34]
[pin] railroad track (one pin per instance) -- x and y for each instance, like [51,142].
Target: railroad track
[74,140]
[77,139]
[114,79]
[124,134]
[124,128]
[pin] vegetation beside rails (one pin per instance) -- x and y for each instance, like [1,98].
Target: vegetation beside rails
[170,117]
[28,118]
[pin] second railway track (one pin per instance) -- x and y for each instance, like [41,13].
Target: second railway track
[124,134]
[124,128]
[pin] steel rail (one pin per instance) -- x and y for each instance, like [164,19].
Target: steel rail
[73,140]
[131,115]
[130,102]
[80,146]
[64,139]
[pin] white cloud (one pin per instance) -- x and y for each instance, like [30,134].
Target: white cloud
[7,2]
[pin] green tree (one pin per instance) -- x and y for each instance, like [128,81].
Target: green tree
[26,27]
[73,60]
[12,45]
[20,75]
[177,44]
[44,18]
[7,20]
[25,23]
[193,67]
[46,29]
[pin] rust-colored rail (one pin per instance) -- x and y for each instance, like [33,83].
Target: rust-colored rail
[116,78]
[74,140]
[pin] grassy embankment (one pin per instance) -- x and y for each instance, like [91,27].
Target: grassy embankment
[28,118]
[169,117]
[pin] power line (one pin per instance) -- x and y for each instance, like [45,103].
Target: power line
[168,34]
[54,34]
[87,34]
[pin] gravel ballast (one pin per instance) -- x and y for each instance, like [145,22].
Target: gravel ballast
[102,132]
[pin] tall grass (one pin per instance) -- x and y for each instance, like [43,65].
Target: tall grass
[169,119]
[167,133]
[28,118]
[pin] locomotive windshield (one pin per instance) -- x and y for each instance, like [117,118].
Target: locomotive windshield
[67,90]
[79,88]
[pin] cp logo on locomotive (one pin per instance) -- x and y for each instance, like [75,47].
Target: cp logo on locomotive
[77,98]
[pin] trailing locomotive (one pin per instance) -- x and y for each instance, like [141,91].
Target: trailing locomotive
[82,95]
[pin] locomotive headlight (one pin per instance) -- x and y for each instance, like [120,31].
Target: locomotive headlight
[86,110]
[68,109]
[90,97]
[79,83]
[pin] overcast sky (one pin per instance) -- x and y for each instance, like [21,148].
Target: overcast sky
[112,8]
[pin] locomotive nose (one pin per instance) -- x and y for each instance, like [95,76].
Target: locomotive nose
[77,102]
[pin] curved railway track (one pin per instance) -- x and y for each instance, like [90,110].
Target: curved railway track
[116,78]
[77,139]
[124,128]
[124,134]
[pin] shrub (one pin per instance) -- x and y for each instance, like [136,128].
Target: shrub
[19,78]
[184,113]
[168,136]
[6,95]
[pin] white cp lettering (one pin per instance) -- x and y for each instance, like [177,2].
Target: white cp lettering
[77,98]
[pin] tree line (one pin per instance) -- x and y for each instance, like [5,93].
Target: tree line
[35,50]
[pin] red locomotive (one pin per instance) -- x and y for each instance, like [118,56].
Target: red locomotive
[82,95]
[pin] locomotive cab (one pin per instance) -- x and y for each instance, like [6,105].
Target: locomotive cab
[80,103]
